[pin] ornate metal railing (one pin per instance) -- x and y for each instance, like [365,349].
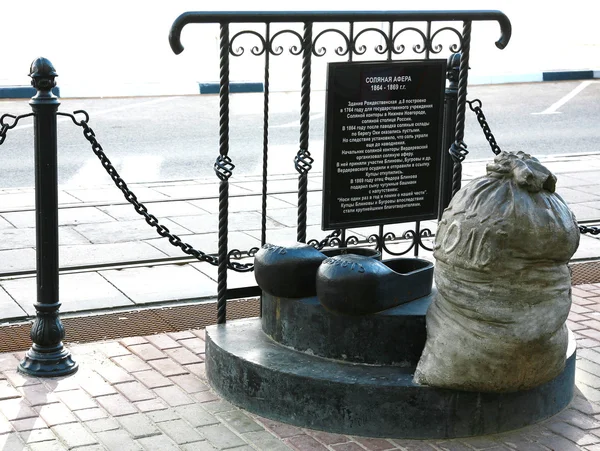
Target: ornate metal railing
[349,31]
[309,34]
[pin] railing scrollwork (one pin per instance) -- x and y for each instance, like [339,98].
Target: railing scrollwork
[341,50]
[294,49]
[256,50]
[454,48]
[399,48]
[350,44]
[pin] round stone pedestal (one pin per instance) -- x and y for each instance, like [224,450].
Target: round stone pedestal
[335,394]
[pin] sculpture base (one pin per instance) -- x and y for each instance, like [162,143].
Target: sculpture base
[53,362]
[393,337]
[252,371]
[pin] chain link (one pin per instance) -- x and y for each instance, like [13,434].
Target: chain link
[5,127]
[139,207]
[458,151]
[475,106]
[3,131]
[592,230]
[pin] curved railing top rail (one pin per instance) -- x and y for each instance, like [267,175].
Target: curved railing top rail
[335,16]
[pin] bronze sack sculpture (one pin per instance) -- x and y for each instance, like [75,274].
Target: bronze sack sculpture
[497,322]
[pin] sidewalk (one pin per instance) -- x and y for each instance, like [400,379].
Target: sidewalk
[99,229]
[151,393]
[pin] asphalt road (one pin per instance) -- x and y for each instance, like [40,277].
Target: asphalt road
[175,138]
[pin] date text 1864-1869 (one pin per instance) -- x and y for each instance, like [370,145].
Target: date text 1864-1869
[383,133]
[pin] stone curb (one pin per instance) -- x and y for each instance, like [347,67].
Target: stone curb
[21,92]
[234,87]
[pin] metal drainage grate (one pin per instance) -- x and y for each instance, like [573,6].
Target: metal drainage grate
[109,326]
[587,272]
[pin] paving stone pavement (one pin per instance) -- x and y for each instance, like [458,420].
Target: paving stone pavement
[97,227]
[150,393]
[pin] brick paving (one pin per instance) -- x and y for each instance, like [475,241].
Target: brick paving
[150,393]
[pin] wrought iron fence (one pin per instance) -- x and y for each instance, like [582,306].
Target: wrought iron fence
[263,33]
[48,356]
[309,33]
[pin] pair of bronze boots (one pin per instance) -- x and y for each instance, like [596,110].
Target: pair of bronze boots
[351,281]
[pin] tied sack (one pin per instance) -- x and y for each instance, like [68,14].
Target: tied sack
[497,323]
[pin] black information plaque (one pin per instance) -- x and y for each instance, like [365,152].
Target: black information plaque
[383,139]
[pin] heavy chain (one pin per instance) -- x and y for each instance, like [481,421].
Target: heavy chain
[5,127]
[130,196]
[3,130]
[592,230]
[475,106]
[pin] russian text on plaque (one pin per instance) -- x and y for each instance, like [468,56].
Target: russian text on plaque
[383,142]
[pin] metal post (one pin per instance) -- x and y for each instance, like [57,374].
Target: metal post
[449,131]
[223,169]
[458,149]
[47,357]
[303,161]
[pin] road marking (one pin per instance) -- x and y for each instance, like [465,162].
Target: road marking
[106,111]
[555,106]
[140,168]
[133,169]
[297,123]
[91,173]
[132,105]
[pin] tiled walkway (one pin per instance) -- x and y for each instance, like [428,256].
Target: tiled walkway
[97,227]
[150,393]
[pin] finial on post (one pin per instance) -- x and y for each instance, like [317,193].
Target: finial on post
[43,76]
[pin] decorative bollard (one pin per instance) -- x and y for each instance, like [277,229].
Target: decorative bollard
[47,357]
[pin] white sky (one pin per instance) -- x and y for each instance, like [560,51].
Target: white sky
[114,47]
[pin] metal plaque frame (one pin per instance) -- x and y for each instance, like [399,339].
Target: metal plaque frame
[359,95]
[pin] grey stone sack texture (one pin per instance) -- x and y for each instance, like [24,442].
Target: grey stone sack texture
[497,323]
